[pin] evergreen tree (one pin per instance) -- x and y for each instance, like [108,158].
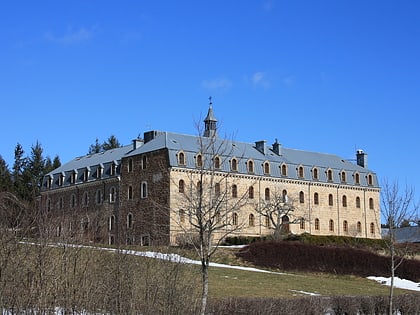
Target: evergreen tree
[95,148]
[111,143]
[5,176]
[35,171]
[19,166]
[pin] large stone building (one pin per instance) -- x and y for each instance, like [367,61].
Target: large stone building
[136,194]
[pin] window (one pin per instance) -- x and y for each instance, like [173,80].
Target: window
[284,195]
[251,220]
[266,168]
[343,176]
[345,226]
[316,198]
[357,179]
[315,174]
[112,195]
[111,223]
[331,225]
[357,202]
[330,175]
[199,188]
[130,192]
[99,172]
[73,201]
[284,170]
[98,197]
[48,205]
[61,203]
[143,192]
[359,227]
[267,194]
[301,197]
[181,158]
[217,162]
[86,175]
[372,228]
[250,167]
[234,165]
[84,224]
[285,224]
[234,191]
[371,203]
[130,165]
[181,186]
[113,169]
[267,221]
[300,172]
[129,220]
[370,180]
[199,161]
[317,224]
[344,201]
[251,192]
[85,198]
[217,189]
[181,216]
[144,162]
[234,218]
[330,200]
[302,223]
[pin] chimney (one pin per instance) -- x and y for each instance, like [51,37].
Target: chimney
[361,158]
[150,135]
[137,143]
[260,146]
[277,147]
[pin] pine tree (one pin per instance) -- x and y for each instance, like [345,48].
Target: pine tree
[95,148]
[111,143]
[19,165]
[5,176]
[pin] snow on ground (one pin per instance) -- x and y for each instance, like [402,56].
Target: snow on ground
[398,283]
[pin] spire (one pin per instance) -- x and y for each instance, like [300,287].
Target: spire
[210,122]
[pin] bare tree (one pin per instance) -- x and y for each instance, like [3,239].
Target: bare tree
[279,211]
[397,206]
[210,203]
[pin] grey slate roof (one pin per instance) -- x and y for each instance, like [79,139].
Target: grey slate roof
[175,143]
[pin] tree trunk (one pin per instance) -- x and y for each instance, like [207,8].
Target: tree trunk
[391,288]
[205,285]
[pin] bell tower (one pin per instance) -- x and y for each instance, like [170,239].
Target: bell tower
[210,122]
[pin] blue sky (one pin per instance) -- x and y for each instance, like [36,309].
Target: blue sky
[329,76]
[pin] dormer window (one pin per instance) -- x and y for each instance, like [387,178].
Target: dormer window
[315,174]
[181,158]
[343,177]
[234,164]
[113,169]
[217,162]
[357,179]
[370,179]
[250,166]
[283,170]
[99,172]
[266,168]
[330,175]
[300,172]
[86,175]
[199,161]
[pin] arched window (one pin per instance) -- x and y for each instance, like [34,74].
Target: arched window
[344,201]
[370,180]
[217,189]
[301,197]
[284,195]
[181,215]
[371,203]
[143,190]
[234,191]
[85,198]
[372,228]
[251,220]
[251,192]
[130,165]
[345,226]
[357,202]
[266,168]
[330,175]
[267,194]
[316,198]
[234,218]
[331,226]
[144,162]
[357,179]
[217,162]
[300,172]
[284,170]
[250,167]
[359,227]
[317,224]
[302,223]
[234,164]
[181,186]
[315,174]
[181,158]
[61,203]
[98,197]
[330,200]
[111,223]
[199,161]
[112,195]
[199,188]
[129,220]
[285,224]
[130,192]
[343,176]
[73,201]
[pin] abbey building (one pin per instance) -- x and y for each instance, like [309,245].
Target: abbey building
[140,193]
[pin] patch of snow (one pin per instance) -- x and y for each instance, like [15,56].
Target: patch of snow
[398,283]
[306,293]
